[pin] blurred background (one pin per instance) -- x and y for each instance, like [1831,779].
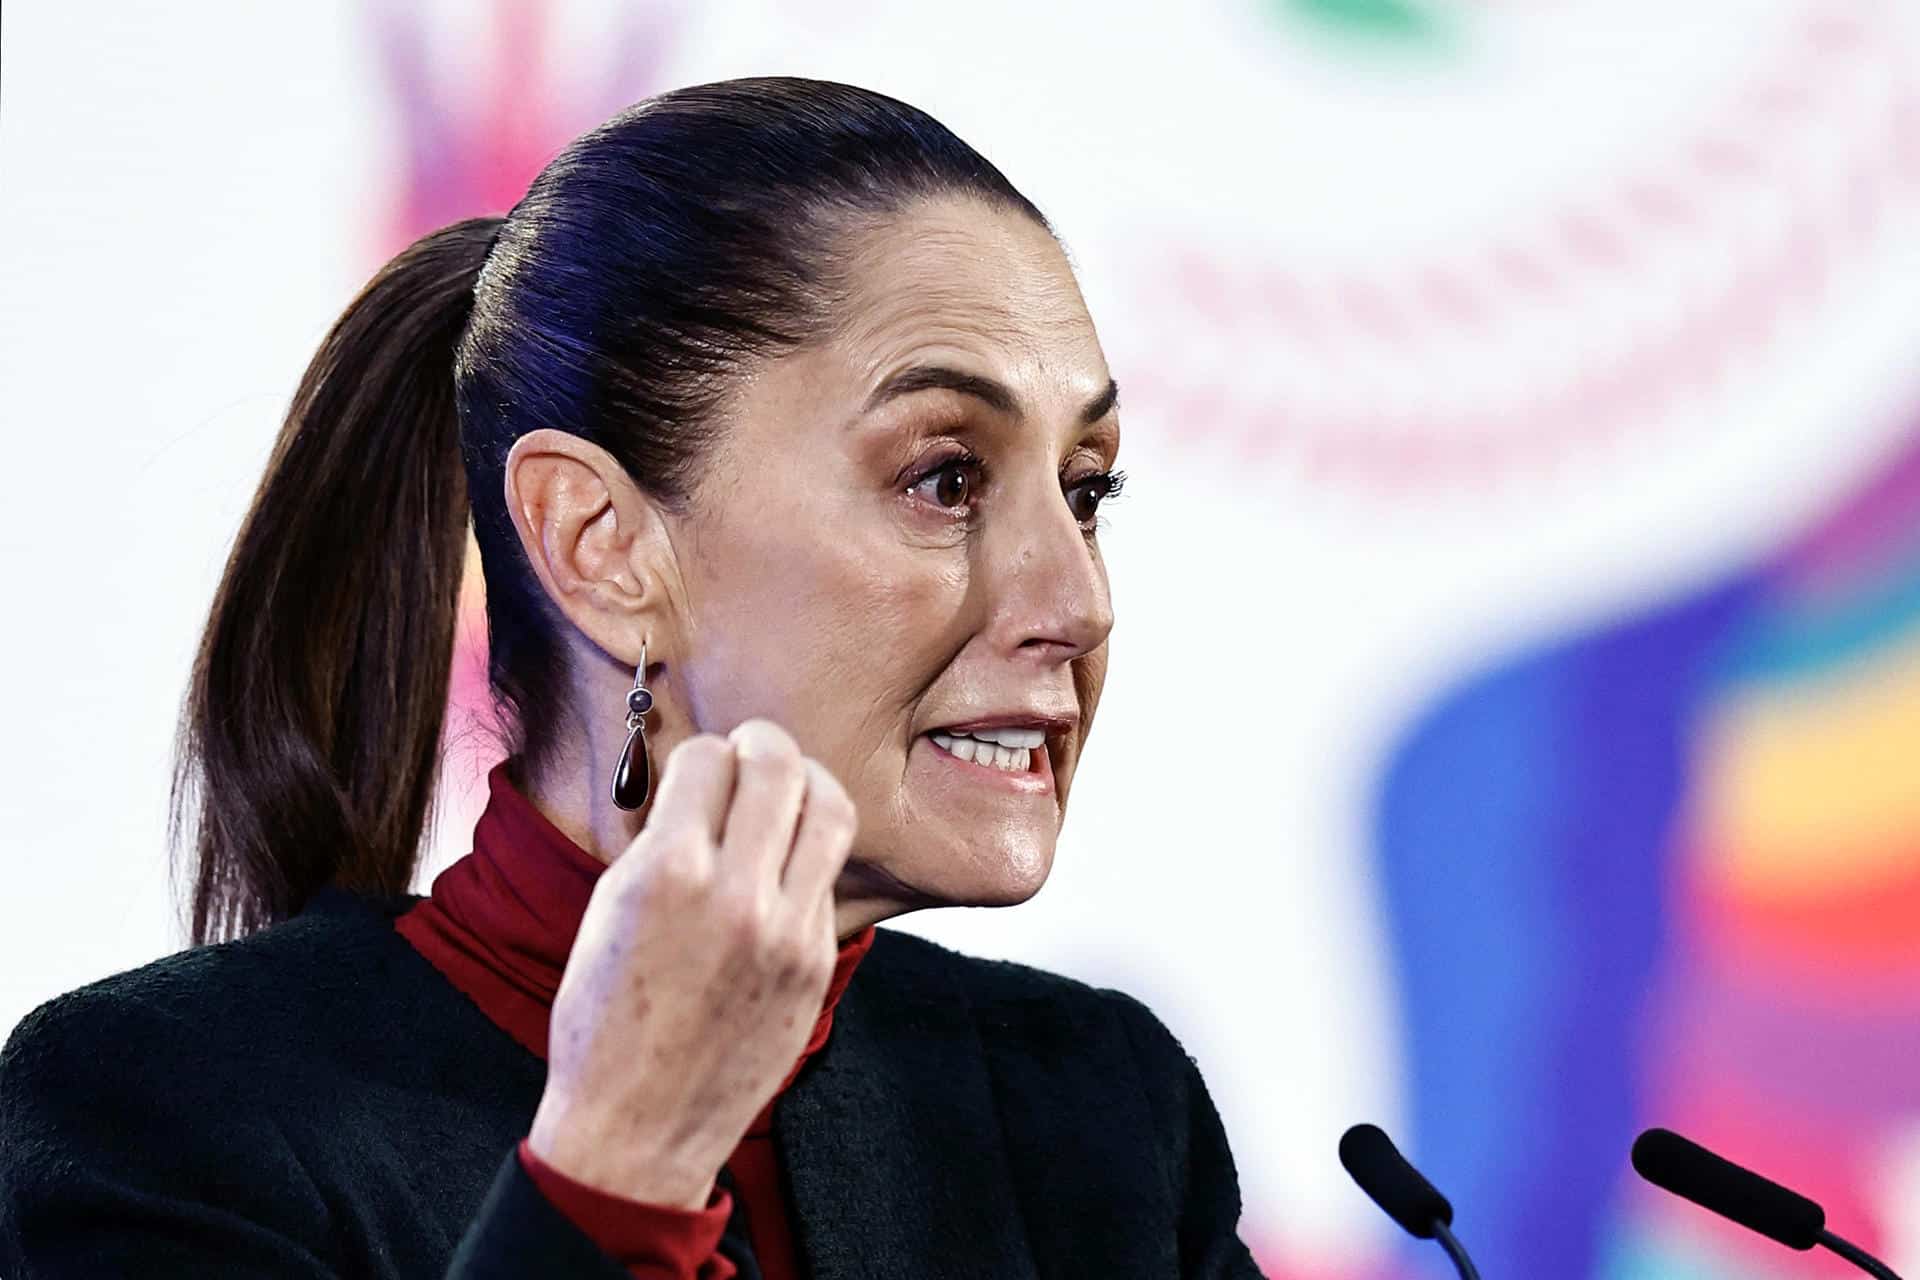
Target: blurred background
[1513,728]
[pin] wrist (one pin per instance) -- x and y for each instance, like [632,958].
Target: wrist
[580,1150]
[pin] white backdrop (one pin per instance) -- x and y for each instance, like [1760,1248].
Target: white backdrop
[1345,289]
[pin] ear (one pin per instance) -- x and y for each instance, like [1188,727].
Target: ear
[596,542]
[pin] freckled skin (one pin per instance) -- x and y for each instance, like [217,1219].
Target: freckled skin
[806,585]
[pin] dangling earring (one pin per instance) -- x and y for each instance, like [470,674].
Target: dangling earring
[632,777]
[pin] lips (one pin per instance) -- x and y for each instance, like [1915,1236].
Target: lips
[1049,724]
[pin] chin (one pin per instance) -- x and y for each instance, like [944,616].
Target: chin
[999,876]
[981,874]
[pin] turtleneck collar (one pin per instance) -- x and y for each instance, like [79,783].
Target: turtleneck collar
[500,921]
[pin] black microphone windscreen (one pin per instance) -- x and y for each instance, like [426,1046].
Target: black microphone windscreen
[1396,1186]
[1692,1172]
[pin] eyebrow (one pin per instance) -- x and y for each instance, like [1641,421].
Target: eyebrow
[996,395]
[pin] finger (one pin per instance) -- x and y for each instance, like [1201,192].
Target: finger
[824,923]
[770,782]
[828,823]
[696,786]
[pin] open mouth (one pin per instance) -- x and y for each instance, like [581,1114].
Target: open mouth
[1007,750]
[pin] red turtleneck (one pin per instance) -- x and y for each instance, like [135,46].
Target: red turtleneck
[499,924]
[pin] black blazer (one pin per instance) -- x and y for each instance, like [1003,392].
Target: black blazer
[317,1101]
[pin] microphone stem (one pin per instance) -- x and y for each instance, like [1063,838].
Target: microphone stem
[1463,1264]
[1857,1256]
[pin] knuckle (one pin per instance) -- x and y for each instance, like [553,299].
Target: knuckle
[701,753]
[798,957]
[770,760]
[681,860]
[828,801]
[839,831]
[760,741]
[822,787]
[744,915]
[781,773]
[842,812]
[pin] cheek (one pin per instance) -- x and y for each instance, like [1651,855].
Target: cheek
[897,631]
[1089,677]
[834,637]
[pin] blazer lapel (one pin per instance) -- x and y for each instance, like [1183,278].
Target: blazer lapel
[891,1139]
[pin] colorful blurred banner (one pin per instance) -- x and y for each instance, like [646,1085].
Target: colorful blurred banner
[1668,872]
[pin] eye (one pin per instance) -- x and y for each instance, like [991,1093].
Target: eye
[951,484]
[1085,495]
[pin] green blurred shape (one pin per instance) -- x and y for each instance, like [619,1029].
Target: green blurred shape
[1390,19]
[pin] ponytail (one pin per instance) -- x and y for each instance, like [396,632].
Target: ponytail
[310,735]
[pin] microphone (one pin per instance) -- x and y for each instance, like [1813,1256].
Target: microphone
[1397,1187]
[1694,1173]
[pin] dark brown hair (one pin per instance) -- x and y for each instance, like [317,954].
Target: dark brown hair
[620,299]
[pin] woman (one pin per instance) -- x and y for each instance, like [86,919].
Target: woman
[783,430]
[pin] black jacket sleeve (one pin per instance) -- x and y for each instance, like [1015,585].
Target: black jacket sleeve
[518,1234]
[1193,1150]
[124,1151]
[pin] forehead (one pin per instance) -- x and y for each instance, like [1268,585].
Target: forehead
[964,277]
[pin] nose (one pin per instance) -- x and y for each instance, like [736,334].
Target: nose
[1049,585]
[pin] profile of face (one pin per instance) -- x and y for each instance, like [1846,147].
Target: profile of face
[892,554]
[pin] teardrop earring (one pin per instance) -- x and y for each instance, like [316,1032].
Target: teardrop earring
[632,777]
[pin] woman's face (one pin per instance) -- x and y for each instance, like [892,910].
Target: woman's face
[894,545]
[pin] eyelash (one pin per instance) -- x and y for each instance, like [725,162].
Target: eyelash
[1111,482]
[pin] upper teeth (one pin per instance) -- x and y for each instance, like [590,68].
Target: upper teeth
[1002,748]
[1009,737]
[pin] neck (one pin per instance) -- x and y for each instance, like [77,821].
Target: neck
[566,795]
